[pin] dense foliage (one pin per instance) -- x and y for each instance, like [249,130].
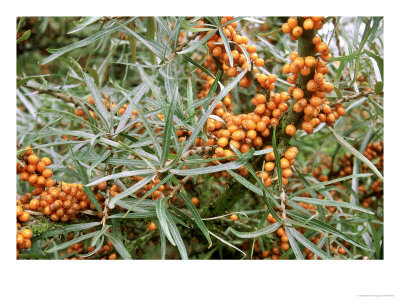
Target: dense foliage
[200,138]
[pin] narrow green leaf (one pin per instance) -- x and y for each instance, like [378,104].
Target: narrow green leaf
[227,243]
[204,118]
[98,100]
[177,236]
[83,23]
[136,215]
[226,45]
[83,42]
[310,245]
[118,245]
[293,244]
[152,45]
[68,228]
[24,37]
[169,125]
[277,158]
[208,170]
[325,228]
[121,174]
[326,202]
[318,185]
[193,46]
[162,218]
[84,178]
[196,216]
[130,191]
[357,154]
[71,242]
[102,157]
[257,233]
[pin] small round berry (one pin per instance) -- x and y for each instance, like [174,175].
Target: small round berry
[286,28]
[195,201]
[307,127]
[47,173]
[24,217]
[26,233]
[46,161]
[152,226]
[297,31]
[269,166]
[290,129]
[298,93]
[292,22]
[233,217]
[308,24]
[251,48]
[259,62]
[33,159]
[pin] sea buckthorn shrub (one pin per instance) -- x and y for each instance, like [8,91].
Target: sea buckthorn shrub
[200,137]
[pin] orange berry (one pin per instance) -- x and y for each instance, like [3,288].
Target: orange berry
[47,173]
[307,127]
[298,93]
[316,39]
[269,166]
[286,69]
[312,85]
[309,61]
[290,129]
[285,163]
[233,217]
[222,142]
[152,226]
[287,173]
[293,55]
[33,159]
[34,204]
[292,22]
[298,62]
[251,48]
[286,28]
[216,51]
[26,233]
[261,99]
[231,72]
[24,217]
[32,179]
[259,62]
[195,201]
[297,31]
[308,24]
[46,161]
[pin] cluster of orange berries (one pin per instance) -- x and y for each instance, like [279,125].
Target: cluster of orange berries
[104,253]
[24,235]
[374,153]
[287,161]
[64,203]
[23,239]
[316,108]
[217,51]
[35,172]
[162,191]
[295,30]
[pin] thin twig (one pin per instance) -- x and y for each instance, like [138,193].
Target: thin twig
[179,48]
[283,198]
[352,97]
[57,95]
